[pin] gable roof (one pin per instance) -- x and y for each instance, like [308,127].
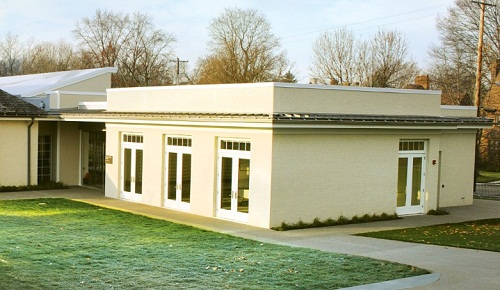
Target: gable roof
[37,84]
[13,106]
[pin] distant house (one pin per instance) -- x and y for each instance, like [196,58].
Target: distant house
[260,154]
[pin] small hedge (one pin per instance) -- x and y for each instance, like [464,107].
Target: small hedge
[316,223]
[43,186]
[438,211]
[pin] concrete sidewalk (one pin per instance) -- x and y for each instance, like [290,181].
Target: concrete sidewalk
[458,268]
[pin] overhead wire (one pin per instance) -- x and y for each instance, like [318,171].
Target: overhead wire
[392,16]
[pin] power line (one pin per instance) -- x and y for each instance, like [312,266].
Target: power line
[424,9]
[366,28]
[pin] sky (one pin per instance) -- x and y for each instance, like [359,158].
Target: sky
[297,23]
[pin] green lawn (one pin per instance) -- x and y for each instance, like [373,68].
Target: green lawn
[488,176]
[481,235]
[63,244]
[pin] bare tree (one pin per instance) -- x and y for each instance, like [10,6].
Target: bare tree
[242,50]
[453,60]
[103,36]
[49,57]
[131,43]
[453,72]
[147,54]
[382,61]
[391,64]
[12,51]
[453,67]
[335,55]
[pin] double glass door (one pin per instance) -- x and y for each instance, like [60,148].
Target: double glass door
[178,177]
[411,184]
[233,186]
[131,170]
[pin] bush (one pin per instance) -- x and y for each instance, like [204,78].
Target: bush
[342,220]
[43,186]
[438,211]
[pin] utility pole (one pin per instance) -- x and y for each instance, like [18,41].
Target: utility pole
[177,69]
[477,90]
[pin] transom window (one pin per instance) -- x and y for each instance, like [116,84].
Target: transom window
[133,138]
[411,146]
[179,141]
[238,145]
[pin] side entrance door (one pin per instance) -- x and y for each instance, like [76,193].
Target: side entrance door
[411,180]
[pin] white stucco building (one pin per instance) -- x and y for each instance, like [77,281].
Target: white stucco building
[268,153]
[260,154]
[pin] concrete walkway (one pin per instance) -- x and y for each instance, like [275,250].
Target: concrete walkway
[453,268]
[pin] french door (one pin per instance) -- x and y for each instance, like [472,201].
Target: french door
[131,168]
[233,180]
[411,182]
[178,173]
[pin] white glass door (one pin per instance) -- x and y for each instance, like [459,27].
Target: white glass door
[233,181]
[178,173]
[131,169]
[411,184]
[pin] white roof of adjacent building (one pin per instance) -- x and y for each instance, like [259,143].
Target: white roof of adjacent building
[37,84]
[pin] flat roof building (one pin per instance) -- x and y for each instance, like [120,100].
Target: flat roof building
[268,153]
[260,154]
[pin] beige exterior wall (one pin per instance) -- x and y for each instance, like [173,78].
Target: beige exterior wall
[457,169]
[69,153]
[204,166]
[13,154]
[269,98]
[65,100]
[243,98]
[89,90]
[355,100]
[95,84]
[461,111]
[113,146]
[325,174]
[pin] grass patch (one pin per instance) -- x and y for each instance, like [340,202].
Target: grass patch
[486,197]
[480,235]
[488,176]
[316,223]
[63,244]
[43,186]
